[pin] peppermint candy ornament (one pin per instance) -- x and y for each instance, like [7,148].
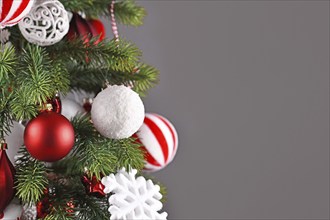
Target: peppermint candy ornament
[46,24]
[159,138]
[12,11]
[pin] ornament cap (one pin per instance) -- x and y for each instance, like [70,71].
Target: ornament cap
[3,145]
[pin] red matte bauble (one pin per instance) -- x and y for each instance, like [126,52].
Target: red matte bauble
[86,29]
[93,186]
[7,172]
[49,137]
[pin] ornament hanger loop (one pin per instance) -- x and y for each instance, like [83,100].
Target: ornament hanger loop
[3,145]
[113,21]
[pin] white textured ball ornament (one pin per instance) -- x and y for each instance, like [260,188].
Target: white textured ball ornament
[14,140]
[46,24]
[29,212]
[117,112]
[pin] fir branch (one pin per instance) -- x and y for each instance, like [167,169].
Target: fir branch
[122,56]
[145,78]
[8,62]
[94,157]
[60,77]
[5,116]
[21,105]
[94,77]
[128,152]
[93,208]
[31,178]
[129,13]
[34,75]
[83,128]
[91,8]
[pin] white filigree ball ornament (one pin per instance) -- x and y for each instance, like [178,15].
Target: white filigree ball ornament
[133,198]
[46,24]
[29,212]
[117,112]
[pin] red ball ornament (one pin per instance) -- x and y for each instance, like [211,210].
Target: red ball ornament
[7,172]
[86,29]
[49,137]
[93,186]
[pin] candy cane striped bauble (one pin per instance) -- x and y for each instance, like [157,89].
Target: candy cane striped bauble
[160,140]
[12,11]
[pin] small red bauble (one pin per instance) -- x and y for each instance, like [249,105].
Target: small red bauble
[52,105]
[86,29]
[49,137]
[93,186]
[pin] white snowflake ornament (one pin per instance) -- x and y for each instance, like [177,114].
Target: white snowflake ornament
[133,198]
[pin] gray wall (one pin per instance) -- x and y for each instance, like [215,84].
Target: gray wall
[246,84]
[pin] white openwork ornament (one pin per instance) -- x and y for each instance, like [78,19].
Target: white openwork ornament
[46,24]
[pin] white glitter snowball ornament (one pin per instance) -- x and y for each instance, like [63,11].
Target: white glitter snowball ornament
[46,24]
[117,112]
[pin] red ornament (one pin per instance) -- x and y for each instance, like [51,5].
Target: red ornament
[93,186]
[44,207]
[52,105]
[7,172]
[49,137]
[87,104]
[86,29]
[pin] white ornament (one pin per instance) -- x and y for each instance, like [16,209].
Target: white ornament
[4,36]
[13,211]
[15,140]
[29,212]
[46,24]
[117,112]
[133,198]
[70,108]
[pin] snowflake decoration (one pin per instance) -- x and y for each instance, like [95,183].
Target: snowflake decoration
[133,198]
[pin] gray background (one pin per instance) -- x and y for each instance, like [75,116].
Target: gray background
[246,84]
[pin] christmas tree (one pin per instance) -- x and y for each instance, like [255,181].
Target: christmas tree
[74,136]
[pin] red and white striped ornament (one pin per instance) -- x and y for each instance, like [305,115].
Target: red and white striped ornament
[160,140]
[12,11]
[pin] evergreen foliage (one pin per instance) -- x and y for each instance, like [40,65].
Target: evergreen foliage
[30,75]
